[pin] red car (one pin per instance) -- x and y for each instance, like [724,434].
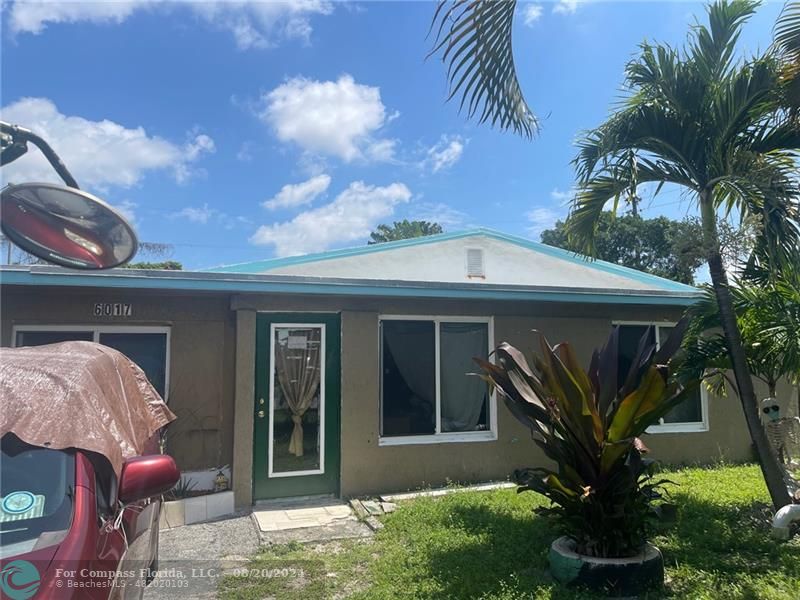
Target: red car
[71,524]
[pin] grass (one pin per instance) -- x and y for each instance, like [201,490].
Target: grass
[489,545]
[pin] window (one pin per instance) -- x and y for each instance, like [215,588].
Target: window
[427,394]
[690,415]
[148,347]
[36,485]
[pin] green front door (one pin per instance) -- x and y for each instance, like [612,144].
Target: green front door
[296,437]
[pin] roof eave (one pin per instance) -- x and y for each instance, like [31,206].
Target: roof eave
[289,284]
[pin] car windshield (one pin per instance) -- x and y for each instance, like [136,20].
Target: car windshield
[36,493]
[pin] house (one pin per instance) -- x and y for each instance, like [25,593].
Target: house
[345,372]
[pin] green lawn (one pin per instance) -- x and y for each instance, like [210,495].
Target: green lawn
[491,545]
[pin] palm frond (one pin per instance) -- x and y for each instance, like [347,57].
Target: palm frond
[787,30]
[713,46]
[647,129]
[768,315]
[613,183]
[745,97]
[787,41]
[475,41]
[659,73]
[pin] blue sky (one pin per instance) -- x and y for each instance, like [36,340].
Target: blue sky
[239,131]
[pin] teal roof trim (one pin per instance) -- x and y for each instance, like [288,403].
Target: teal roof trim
[218,282]
[263,266]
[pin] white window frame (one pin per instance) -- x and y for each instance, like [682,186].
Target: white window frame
[696,427]
[322,375]
[438,437]
[97,330]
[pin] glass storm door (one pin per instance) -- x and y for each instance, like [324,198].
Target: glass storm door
[297,406]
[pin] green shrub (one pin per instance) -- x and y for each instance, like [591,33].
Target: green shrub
[588,423]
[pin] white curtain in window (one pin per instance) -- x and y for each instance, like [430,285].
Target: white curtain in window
[463,396]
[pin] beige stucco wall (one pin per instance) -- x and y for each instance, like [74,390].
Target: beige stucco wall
[202,341]
[368,467]
[212,372]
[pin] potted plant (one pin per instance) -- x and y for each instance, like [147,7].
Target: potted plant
[588,423]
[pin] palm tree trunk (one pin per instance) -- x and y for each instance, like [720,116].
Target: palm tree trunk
[768,460]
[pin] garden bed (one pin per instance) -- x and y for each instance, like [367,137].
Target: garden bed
[490,545]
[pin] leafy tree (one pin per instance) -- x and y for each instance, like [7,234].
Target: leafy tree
[157,256]
[698,118]
[659,246]
[167,265]
[403,230]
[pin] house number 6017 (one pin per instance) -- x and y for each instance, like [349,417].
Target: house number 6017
[112,309]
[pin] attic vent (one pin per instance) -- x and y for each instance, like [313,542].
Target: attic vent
[475,266]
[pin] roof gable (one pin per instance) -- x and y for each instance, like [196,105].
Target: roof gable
[510,260]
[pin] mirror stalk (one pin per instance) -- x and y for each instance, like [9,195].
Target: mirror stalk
[19,139]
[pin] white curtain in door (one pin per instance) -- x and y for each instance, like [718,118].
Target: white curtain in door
[297,366]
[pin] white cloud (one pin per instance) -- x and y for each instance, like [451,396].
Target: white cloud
[195,215]
[563,196]
[381,151]
[201,144]
[540,219]
[298,194]
[32,16]
[337,118]
[445,153]
[97,153]
[531,13]
[245,153]
[258,24]
[566,7]
[205,214]
[261,24]
[350,217]
[438,212]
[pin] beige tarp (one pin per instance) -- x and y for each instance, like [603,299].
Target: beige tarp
[79,395]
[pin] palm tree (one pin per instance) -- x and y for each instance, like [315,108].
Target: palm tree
[768,315]
[697,119]
[703,121]
[787,42]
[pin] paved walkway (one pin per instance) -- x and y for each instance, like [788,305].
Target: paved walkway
[296,513]
[310,519]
